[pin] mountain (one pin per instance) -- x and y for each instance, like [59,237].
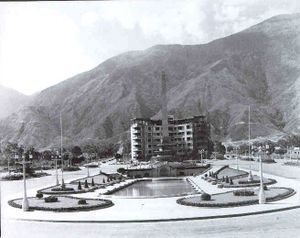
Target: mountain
[258,66]
[11,101]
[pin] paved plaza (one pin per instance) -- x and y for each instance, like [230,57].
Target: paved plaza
[160,216]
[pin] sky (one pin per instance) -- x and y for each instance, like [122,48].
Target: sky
[44,43]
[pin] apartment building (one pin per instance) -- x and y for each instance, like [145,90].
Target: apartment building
[186,135]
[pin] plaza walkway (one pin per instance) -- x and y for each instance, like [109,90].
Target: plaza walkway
[139,210]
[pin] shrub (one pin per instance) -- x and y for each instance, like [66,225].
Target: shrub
[121,170]
[205,175]
[205,197]
[51,199]
[93,183]
[86,184]
[220,186]
[39,195]
[243,192]
[71,168]
[79,185]
[214,183]
[209,180]
[265,187]
[248,182]
[60,189]
[82,202]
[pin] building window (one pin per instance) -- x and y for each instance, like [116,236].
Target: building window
[188,126]
[157,128]
[188,132]
[149,128]
[180,127]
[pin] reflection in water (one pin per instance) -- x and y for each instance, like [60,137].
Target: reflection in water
[156,188]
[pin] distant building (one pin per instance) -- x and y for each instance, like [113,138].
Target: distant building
[164,139]
[293,152]
[186,135]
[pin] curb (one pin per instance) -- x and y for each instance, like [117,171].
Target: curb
[165,220]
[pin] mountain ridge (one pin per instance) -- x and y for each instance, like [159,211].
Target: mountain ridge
[257,67]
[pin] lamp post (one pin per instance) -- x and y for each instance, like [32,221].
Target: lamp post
[262,197]
[99,165]
[201,156]
[61,152]
[8,169]
[56,171]
[237,159]
[25,203]
[87,166]
[16,159]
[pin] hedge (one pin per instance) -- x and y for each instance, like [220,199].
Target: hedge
[243,192]
[107,203]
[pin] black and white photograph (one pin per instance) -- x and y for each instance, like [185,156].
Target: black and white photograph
[150,118]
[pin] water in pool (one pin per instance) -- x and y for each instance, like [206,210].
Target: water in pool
[157,188]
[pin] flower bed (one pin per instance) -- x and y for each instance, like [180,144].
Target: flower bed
[63,204]
[231,173]
[245,183]
[70,189]
[229,200]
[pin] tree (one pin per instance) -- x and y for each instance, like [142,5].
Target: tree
[79,186]
[76,151]
[86,185]
[229,148]
[220,148]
